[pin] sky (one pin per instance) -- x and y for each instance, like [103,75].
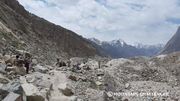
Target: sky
[134,21]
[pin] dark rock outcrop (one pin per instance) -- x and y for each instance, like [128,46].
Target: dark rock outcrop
[173,44]
[12,87]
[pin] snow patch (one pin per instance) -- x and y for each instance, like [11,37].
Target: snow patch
[161,56]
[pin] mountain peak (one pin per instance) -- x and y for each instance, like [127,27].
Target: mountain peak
[117,42]
[96,41]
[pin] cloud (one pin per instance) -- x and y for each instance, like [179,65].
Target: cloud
[134,21]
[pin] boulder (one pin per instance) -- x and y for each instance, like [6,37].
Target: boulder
[49,67]
[34,62]
[12,87]
[72,77]
[127,85]
[99,77]
[100,72]
[65,90]
[22,52]
[44,84]
[109,94]
[82,78]
[8,59]
[98,83]
[11,73]
[38,81]
[34,78]
[9,64]
[95,95]
[12,97]
[2,61]
[40,69]
[45,93]
[22,80]
[8,69]
[30,79]
[21,70]
[63,68]
[51,72]
[3,79]
[82,65]
[2,68]
[32,93]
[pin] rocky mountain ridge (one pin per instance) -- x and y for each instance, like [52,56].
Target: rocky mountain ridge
[40,36]
[119,49]
[172,45]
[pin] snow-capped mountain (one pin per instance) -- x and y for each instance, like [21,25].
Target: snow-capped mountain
[117,43]
[149,50]
[98,42]
[157,46]
[115,48]
[119,49]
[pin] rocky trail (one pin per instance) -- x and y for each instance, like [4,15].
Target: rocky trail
[132,79]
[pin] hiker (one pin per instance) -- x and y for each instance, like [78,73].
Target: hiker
[19,64]
[16,60]
[78,63]
[21,61]
[77,67]
[88,68]
[69,63]
[99,63]
[27,61]
[58,63]
[63,63]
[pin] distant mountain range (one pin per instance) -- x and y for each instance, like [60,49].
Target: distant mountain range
[120,49]
[149,50]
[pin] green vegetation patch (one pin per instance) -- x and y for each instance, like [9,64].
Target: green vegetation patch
[23,28]
[15,44]
[5,35]
[1,43]
[3,20]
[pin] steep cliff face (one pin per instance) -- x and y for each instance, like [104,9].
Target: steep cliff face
[172,45]
[39,33]
[67,40]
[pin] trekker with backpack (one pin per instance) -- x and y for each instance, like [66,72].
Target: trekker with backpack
[27,61]
[16,61]
[99,63]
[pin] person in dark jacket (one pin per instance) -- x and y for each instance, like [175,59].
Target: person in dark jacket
[27,61]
